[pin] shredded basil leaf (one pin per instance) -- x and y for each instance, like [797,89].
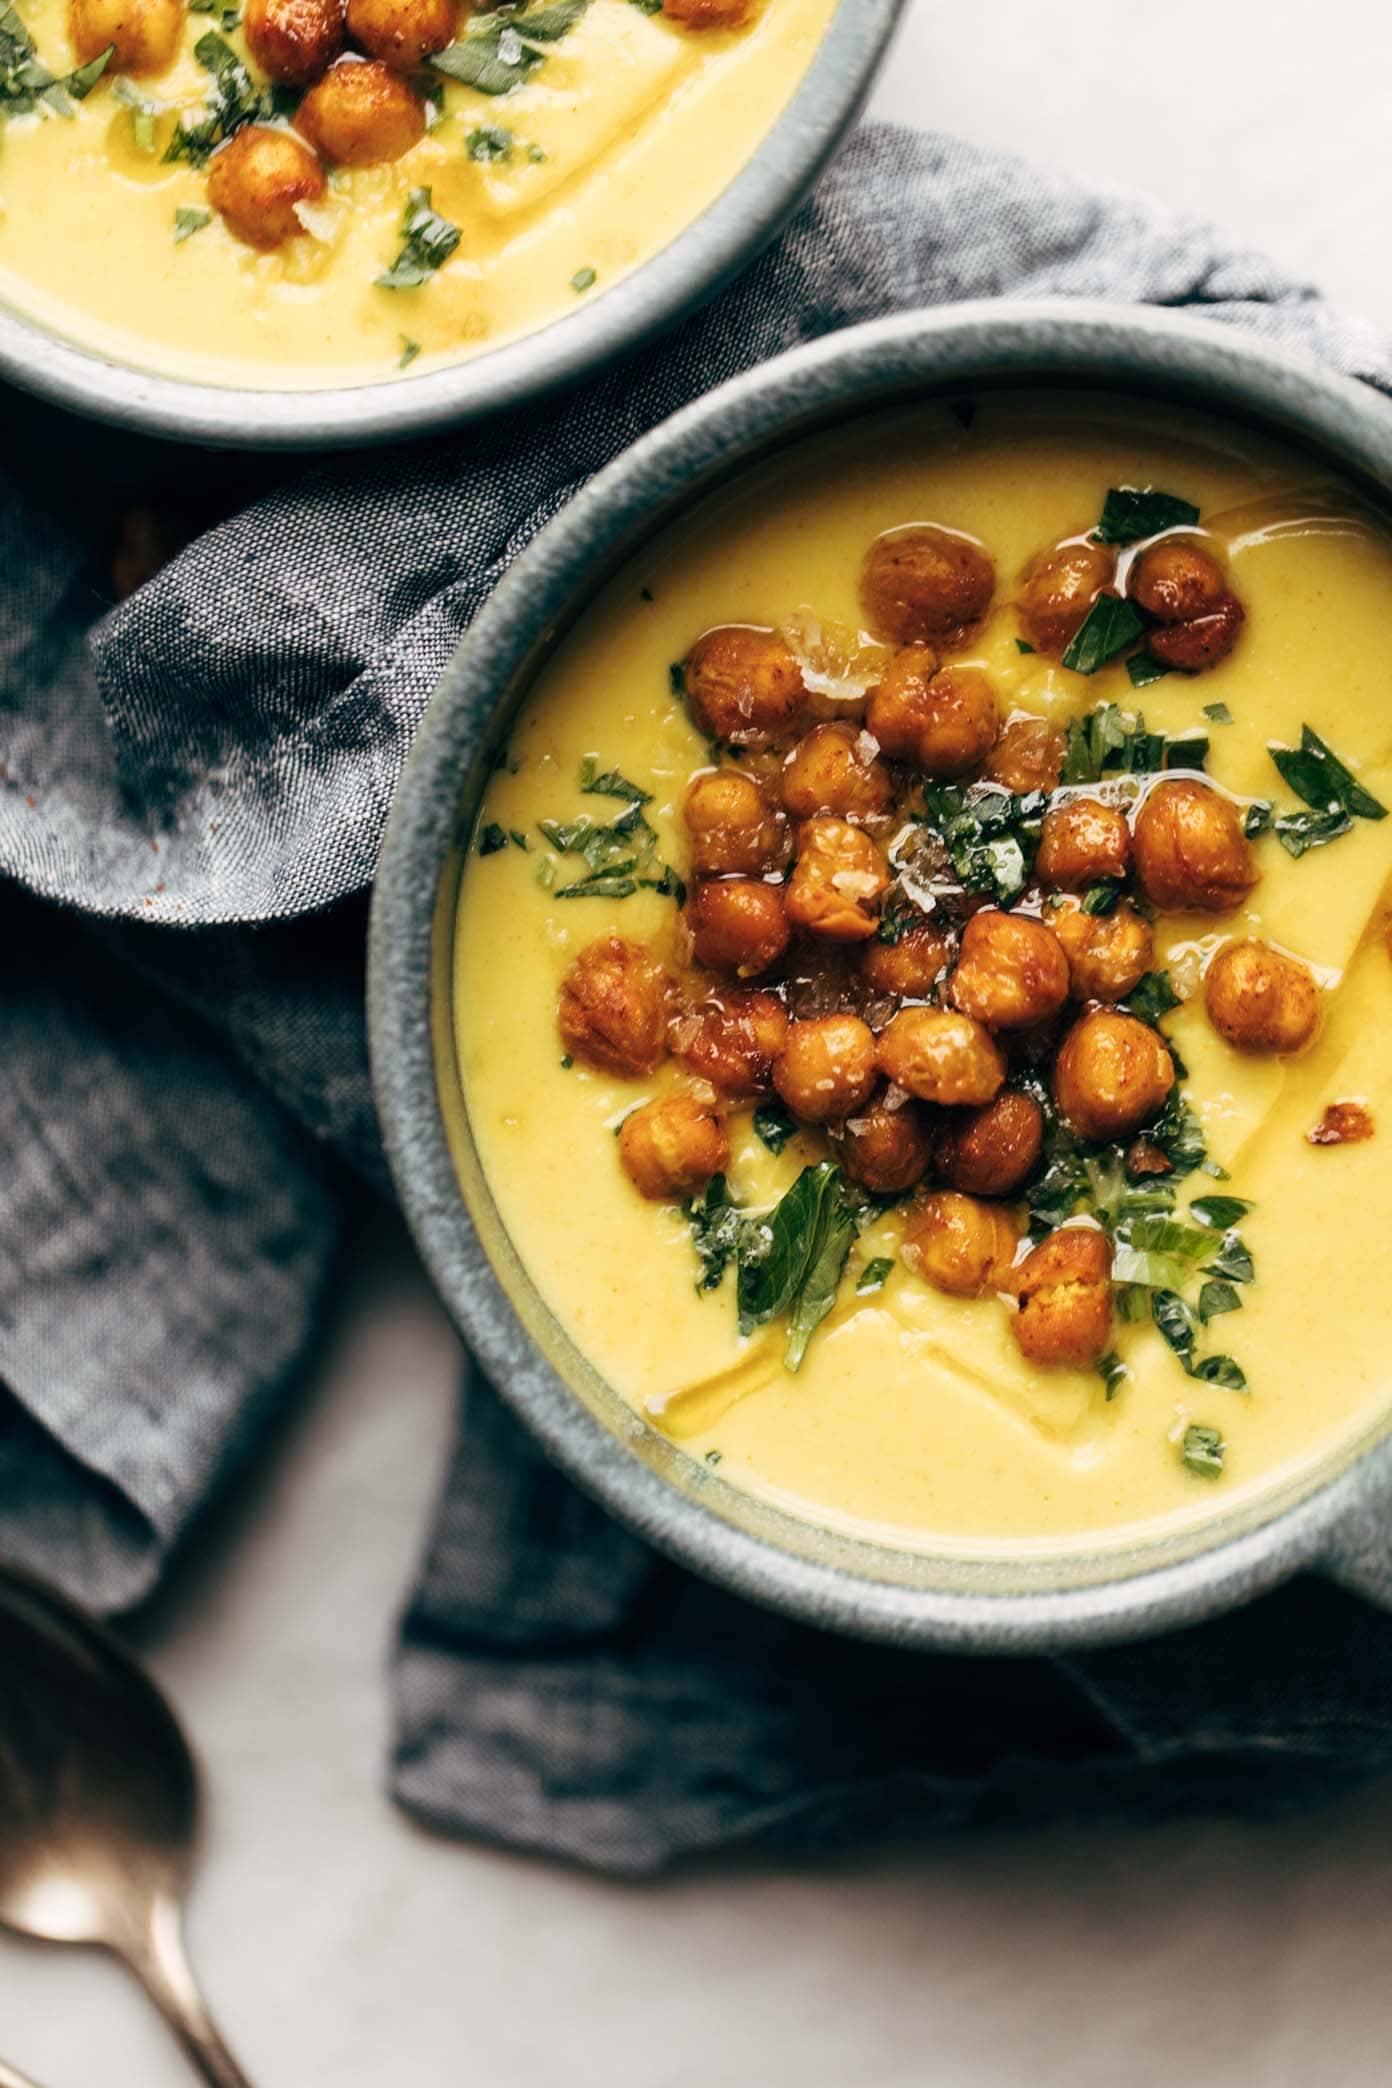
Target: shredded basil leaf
[774,1125]
[499,51]
[1130,513]
[429,241]
[1317,776]
[1151,997]
[1022,645]
[1102,897]
[715,1231]
[610,783]
[1298,832]
[409,351]
[187,222]
[990,834]
[489,143]
[1113,1373]
[1219,1212]
[791,1262]
[232,100]
[1218,712]
[1217,1297]
[1108,628]
[491,839]
[875,1274]
[1202,1450]
[1143,668]
[1257,818]
[584,279]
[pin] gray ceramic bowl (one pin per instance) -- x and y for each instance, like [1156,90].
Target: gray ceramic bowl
[723,240]
[1336,1519]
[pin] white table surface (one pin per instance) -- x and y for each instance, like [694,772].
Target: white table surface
[341,1946]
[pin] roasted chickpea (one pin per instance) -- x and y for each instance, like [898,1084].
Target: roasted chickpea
[402,33]
[257,180]
[1064,1288]
[1028,756]
[1011,972]
[1184,588]
[1082,842]
[941,1056]
[145,33]
[910,968]
[1190,850]
[885,1146]
[943,720]
[830,770]
[1112,1075]
[734,830]
[744,686]
[294,40]
[959,1245]
[991,1151]
[737,924]
[925,584]
[1059,588]
[1108,954]
[731,1039]
[612,1011]
[826,1068]
[361,114]
[708,14]
[1259,999]
[838,881]
[672,1147]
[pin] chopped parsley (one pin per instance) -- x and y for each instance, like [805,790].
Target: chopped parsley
[1202,1450]
[489,143]
[875,1275]
[1130,513]
[188,221]
[584,279]
[429,241]
[1108,628]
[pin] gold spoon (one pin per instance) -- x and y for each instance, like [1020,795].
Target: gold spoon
[98,1808]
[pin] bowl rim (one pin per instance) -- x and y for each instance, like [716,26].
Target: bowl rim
[1120,347]
[694,265]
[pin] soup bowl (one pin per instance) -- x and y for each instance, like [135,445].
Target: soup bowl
[705,255]
[1329,1517]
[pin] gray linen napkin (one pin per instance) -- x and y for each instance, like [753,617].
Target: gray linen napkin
[191,774]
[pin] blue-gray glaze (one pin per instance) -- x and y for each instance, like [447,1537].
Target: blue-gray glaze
[912,1599]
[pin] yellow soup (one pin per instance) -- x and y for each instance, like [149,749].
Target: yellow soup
[617,135]
[1236,1350]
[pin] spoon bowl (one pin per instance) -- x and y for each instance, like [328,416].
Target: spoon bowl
[98,1806]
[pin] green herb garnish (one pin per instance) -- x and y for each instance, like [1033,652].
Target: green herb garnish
[1113,1373]
[610,783]
[487,142]
[791,1262]
[1143,668]
[990,834]
[491,839]
[584,279]
[1022,645]
[1130,513]
[874,1275]
[187,222]
[773,1125]
[1218,712]
[1217,1297]
[1220,1212]
[1110,741]
[1202,1450]
[715,1231]
[1298,832]
[499,51]
[26,84]
[409,351]
[1257,818]
[1108,628]
[429,241]
[232,101]
[1152,997]
[1101,898]
[1318,777]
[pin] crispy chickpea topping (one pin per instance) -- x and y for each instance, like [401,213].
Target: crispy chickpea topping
[1259,999]
[885,1146]
[402,33]
[294,40]
[1343,1123]
[1065,1296]
[960,1245]
[838,881]
[737,924]
[991,1151]
[1197,616]
[361,114]
[708,14]
[1112,1075]
[1190,850]
[1108,954]
[672,1147]
[733,829]
[943,720]
[922,584]
[1059,588]
[1082,842]
[744,686]
[831,770]
[941,1056]
[142,35]
[1028,756]
[910,968]
[613,1008]
[826,1068]
[1011,973]
[731,1039]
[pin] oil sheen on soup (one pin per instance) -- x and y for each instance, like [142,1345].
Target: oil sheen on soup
[299,192]
[922,968]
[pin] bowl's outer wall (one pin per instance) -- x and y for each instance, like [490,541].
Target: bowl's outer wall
[711,250]
[1336,1527]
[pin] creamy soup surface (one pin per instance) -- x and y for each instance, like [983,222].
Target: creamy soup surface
[612,126]
[1245,1325]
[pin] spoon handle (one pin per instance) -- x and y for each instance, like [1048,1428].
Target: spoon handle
[160,1962]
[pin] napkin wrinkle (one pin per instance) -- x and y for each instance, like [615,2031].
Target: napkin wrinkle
[199,775]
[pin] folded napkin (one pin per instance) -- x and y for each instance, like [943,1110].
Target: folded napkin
[199,776]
